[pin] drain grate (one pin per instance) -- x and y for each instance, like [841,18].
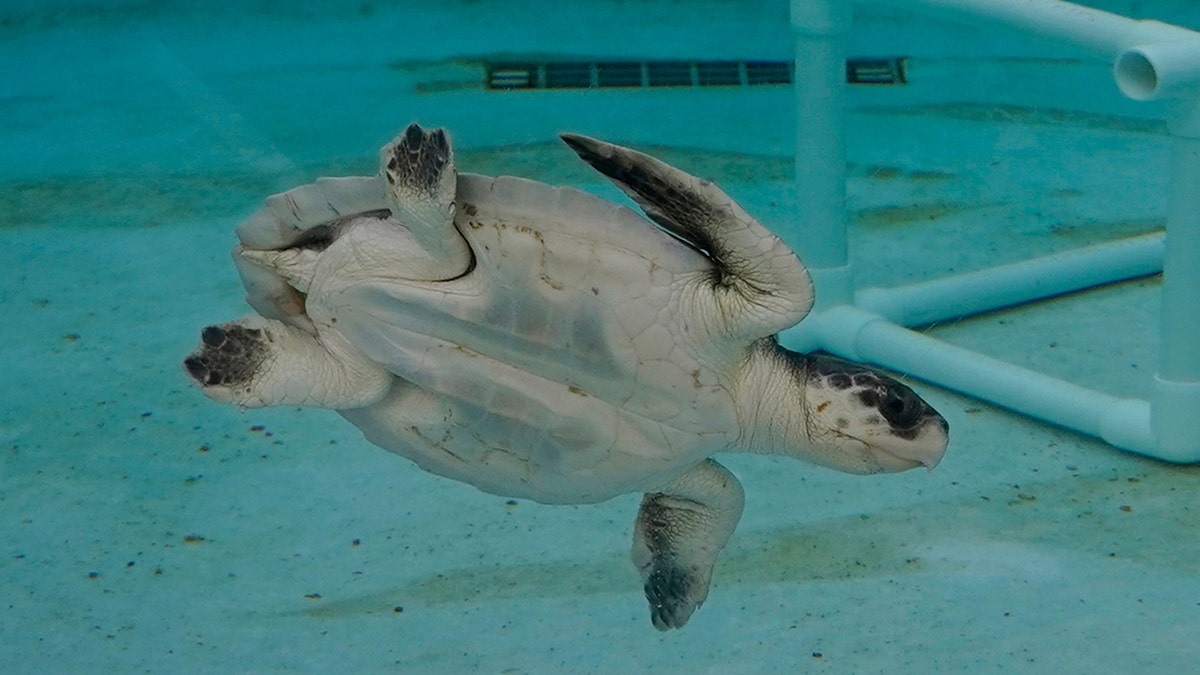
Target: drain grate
[875,71]
[646,74]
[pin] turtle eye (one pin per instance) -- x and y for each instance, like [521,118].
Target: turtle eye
[901,407]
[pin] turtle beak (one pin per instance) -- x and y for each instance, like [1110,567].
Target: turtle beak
[923,445]
[942,432]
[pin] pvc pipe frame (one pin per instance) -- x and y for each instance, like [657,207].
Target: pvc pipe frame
[1151,60]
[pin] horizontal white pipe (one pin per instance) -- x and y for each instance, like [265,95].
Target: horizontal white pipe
[1150,59]
[1125,423]
[1092,30]
[960,295]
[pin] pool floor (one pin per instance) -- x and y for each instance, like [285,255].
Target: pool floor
[146,528]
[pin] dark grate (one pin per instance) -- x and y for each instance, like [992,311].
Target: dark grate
[875,71]
[638,74]
[511,77]
[768,72]
[619,74]
[719,73]
[669,74]
[565,75]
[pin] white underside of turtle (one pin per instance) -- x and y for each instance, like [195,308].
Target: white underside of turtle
[540,342]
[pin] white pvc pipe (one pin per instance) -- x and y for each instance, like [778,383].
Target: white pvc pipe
[1176,398]
[961,295]
[1150,59]
[1161,69]
[1125,423]
[1180,357]
[820,28]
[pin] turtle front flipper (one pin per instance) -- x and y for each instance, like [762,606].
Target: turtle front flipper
[680,529]
[420,182]
[255,362]
[760,286]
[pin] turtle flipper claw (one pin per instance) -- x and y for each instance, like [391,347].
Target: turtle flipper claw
[228,356]
[674,591]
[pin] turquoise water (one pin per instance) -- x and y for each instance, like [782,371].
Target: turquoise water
[146,528]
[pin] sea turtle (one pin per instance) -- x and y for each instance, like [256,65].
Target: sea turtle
[544,343]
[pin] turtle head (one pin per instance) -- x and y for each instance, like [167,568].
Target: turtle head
[863,421]
[852,418]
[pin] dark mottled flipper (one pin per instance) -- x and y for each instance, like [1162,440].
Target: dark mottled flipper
[417,160]
[256,362]
[228,356]
[760,285]
[421,181]
[677,536]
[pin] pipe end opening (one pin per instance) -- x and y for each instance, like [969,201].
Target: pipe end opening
[1136,75]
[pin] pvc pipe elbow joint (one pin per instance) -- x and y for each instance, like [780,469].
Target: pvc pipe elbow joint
[1163,63]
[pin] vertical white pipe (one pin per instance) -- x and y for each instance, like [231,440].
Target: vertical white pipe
[1176,399]
[1180,349]
[819,233]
